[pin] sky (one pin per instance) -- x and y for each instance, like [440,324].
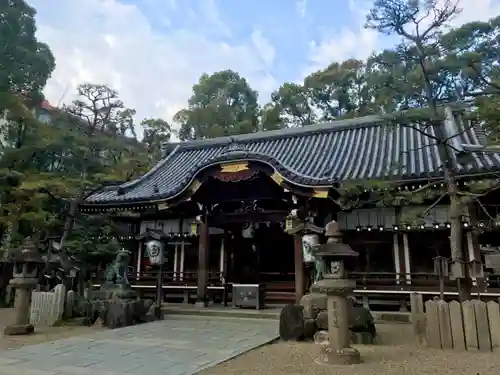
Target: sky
[153,51]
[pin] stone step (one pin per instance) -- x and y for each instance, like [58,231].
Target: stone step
[380,317]
[219,312]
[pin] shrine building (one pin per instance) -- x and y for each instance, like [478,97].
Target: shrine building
[221,206]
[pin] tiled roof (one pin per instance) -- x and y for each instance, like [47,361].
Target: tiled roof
[315,156]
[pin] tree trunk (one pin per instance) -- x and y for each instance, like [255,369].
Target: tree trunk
[69,222]
[447,158]
[455,207]
[456,240]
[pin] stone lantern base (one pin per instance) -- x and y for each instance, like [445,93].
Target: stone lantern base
[344,356]
[22,300]
[333,286]
[337,351]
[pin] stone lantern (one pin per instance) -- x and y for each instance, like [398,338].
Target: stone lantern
[337,287]
[27,265]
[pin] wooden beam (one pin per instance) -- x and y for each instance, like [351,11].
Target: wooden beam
[163,206]
[299,268]
[320,194]
[203,257]
[276,177]
[234,167]
[193,188]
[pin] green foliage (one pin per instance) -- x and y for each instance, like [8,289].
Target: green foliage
[294,103]
[222,104]
[25,63]
[45,166]
[156,133]
[94,239]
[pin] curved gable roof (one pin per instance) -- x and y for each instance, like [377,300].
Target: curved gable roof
[313,156]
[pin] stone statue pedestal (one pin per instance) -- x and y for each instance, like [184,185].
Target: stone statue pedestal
[339,351]
[110,290]
[24,287]
[116,304]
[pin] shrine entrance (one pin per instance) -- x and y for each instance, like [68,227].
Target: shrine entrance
[251,209]
[262,253]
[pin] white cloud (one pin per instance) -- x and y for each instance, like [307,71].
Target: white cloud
[476,10]
[301,7]
[106,41]
[211,14]
[264,47]
[354,42]
[358,42]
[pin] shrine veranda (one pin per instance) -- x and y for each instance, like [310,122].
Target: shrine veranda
[221,208]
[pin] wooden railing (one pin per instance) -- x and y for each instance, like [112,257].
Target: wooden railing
[281,286]
[169,278]
[392,279]
[363,279]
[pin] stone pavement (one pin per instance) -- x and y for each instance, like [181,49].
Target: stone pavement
[173,346]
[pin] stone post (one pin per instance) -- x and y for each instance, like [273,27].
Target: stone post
[23,286]
[27,262]
[337,287]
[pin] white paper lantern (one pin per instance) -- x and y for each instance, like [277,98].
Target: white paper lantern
[248,230]
[308,242]
[154,250]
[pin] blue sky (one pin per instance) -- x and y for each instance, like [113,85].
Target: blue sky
[153,51]
[290,27]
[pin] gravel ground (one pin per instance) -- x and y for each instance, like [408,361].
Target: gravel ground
[298,358]
[395,356]
[41,334]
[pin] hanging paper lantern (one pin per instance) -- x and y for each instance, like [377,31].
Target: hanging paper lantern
[309,241]
[154,250]
[247,231]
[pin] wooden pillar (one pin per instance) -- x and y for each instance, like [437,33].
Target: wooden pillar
[139,260]
[406,252]
[299,268]
[178,249]
[231,259]
[397,259]
[203,266]
[176,260]
[181,265]
[221,257]
[224,255]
